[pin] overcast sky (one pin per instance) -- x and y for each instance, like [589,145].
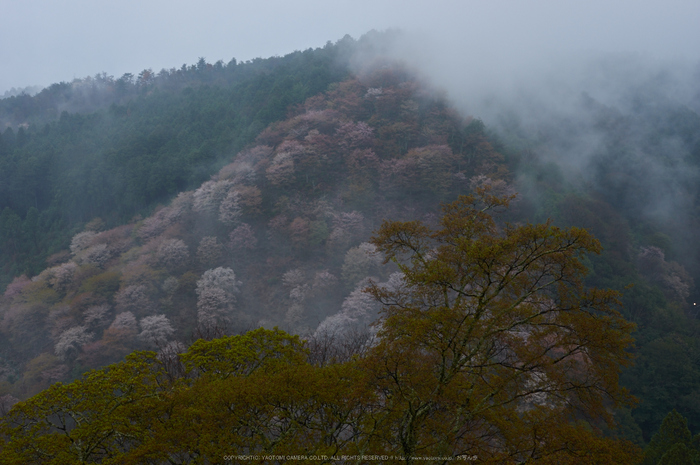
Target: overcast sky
[47,41]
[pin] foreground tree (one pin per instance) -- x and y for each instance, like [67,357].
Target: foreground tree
[492,346]
[92,420]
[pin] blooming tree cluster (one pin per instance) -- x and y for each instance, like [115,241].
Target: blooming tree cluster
[155,330]
[71,340]
[173,253]
[82,241]
[230,209]
[133,299]
[216,297]
[208,198]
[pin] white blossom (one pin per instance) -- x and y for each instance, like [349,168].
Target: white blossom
[62,276]
[230,209]
[324,279]
[164,217]
[133,299]
[216,296]
[125,320]
[96,316]
[70,341]
[156,329]
[209,195]
[281,169]
[81,241]
[97,254]
[293,278]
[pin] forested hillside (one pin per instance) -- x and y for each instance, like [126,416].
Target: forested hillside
[150,212]
[113,148]
[281,229]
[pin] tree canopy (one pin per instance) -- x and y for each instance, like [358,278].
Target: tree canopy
[492,326]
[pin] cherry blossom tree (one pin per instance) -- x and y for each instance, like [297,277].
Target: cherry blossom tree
[294,314]
[324,279]
[16,286]
[299,232]
[216,296]
[173,253]
[243,169]
[169,356]
[60,319]
[361,306]
[497,186]
[98,255]
[423,171]
[671,277]
[133,299]
[346,227]
[281,169]
[123,328]
[64,275]
[230,209]
[250,199]
[97,316]
[358,311]
[59,277]
[82,241]
[170,285]
[71,340]
[124,321]
[355,135]
[293,278]
[208,198]
[6,403]
[155,330]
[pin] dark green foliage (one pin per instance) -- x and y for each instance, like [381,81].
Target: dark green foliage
[680,454]
[672,445]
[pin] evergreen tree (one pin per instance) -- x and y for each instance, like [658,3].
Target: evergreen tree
[670,444]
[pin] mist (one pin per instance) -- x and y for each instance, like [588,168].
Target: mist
[613,123]
[466,42]
[576,86]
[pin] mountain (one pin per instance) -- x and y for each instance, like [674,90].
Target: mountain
[216,199]
[288,218]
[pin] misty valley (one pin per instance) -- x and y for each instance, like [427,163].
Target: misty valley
[324,255]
